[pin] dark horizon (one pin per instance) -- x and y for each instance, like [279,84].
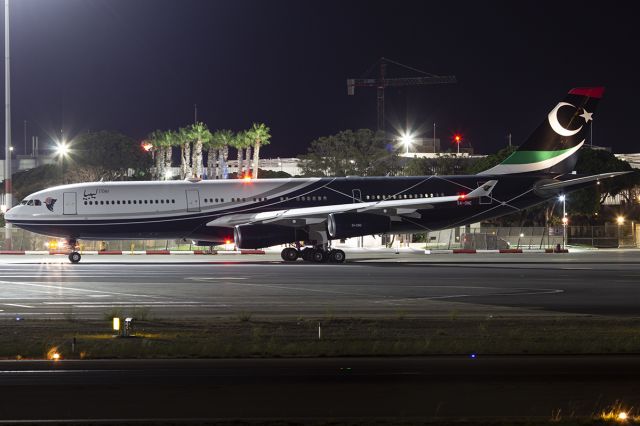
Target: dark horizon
[138,66]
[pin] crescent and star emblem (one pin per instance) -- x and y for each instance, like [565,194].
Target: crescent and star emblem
[555,124]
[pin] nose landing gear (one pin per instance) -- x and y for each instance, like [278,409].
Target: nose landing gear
[74,256]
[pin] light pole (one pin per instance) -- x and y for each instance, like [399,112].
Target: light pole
[458,139]
[565,220]
[620,221]
[7,112]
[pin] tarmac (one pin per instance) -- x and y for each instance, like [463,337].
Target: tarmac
[370,284]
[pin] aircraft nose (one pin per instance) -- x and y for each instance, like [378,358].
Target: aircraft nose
[10,214]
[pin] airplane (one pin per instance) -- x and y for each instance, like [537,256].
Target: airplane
[267,212]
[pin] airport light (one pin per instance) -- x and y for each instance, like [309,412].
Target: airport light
[407,140]
[620,220]
[116,324]
[146,145]
[565,219]
[62,149]
[622,416]
[457,138]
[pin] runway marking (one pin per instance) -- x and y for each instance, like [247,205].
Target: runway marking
[121,303]
[18,306]
[61,287]
[313,290]
[215,278]
[530,292]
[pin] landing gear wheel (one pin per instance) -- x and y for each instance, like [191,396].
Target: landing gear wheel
[319,256]
[307,253]
[337,256]
[289,254]
[74,257]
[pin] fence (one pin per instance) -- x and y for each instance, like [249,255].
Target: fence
[607,236]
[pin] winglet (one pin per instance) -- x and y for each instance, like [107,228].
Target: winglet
[483,190]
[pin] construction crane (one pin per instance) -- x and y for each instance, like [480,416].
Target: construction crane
[383,82]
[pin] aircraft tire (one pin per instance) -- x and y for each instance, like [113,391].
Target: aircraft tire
[289,254]
[337,256]
[307,254]
[74,257]
[319,256]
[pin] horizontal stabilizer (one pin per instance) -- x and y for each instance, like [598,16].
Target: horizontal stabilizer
[553,186]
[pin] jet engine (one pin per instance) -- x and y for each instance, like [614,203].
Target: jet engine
[347,225]
[259,235]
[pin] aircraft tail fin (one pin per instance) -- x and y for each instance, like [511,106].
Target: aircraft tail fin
[553,146]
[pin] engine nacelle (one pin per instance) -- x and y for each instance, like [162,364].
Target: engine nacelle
[347,225]
[259,236]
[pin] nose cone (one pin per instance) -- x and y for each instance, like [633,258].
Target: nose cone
[10,215]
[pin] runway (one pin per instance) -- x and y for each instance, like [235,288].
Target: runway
[360,390]
[370,284]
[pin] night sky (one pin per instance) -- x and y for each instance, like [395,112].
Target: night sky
[135,66]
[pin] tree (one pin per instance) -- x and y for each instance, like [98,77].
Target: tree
[261,135]
[240,142]
[594,161]
[361,152]
[169,140]
[199,134]
[184,140]
[104,155]
[220,141]
[156,139]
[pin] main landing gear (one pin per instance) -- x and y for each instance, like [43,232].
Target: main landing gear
[74,256]
[318,254]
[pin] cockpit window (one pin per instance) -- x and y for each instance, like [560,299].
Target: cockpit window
[23,203]
[37,203]
[30,202]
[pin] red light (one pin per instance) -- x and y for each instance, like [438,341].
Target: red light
[227,241]
[462,196]
[147,146]
[457,138]
[247,178]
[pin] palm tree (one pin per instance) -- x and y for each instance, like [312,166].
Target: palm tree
[240,143]
[261,135]
[155,139]
[184,140]
[168,141]
[247,156]
[200,134]
[218,151]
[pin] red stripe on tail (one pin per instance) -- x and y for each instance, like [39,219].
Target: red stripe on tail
[592,92]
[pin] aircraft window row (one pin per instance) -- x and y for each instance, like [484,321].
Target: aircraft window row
[214,200]
[31,203]
[114,202]
[242,200]
[307,198]
[403,196]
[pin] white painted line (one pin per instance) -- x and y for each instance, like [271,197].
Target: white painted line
[18,306]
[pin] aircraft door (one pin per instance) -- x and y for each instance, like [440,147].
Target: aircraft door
[193,200]
[69,203]
[357,196]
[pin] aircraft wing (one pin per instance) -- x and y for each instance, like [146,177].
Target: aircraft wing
[319,213]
